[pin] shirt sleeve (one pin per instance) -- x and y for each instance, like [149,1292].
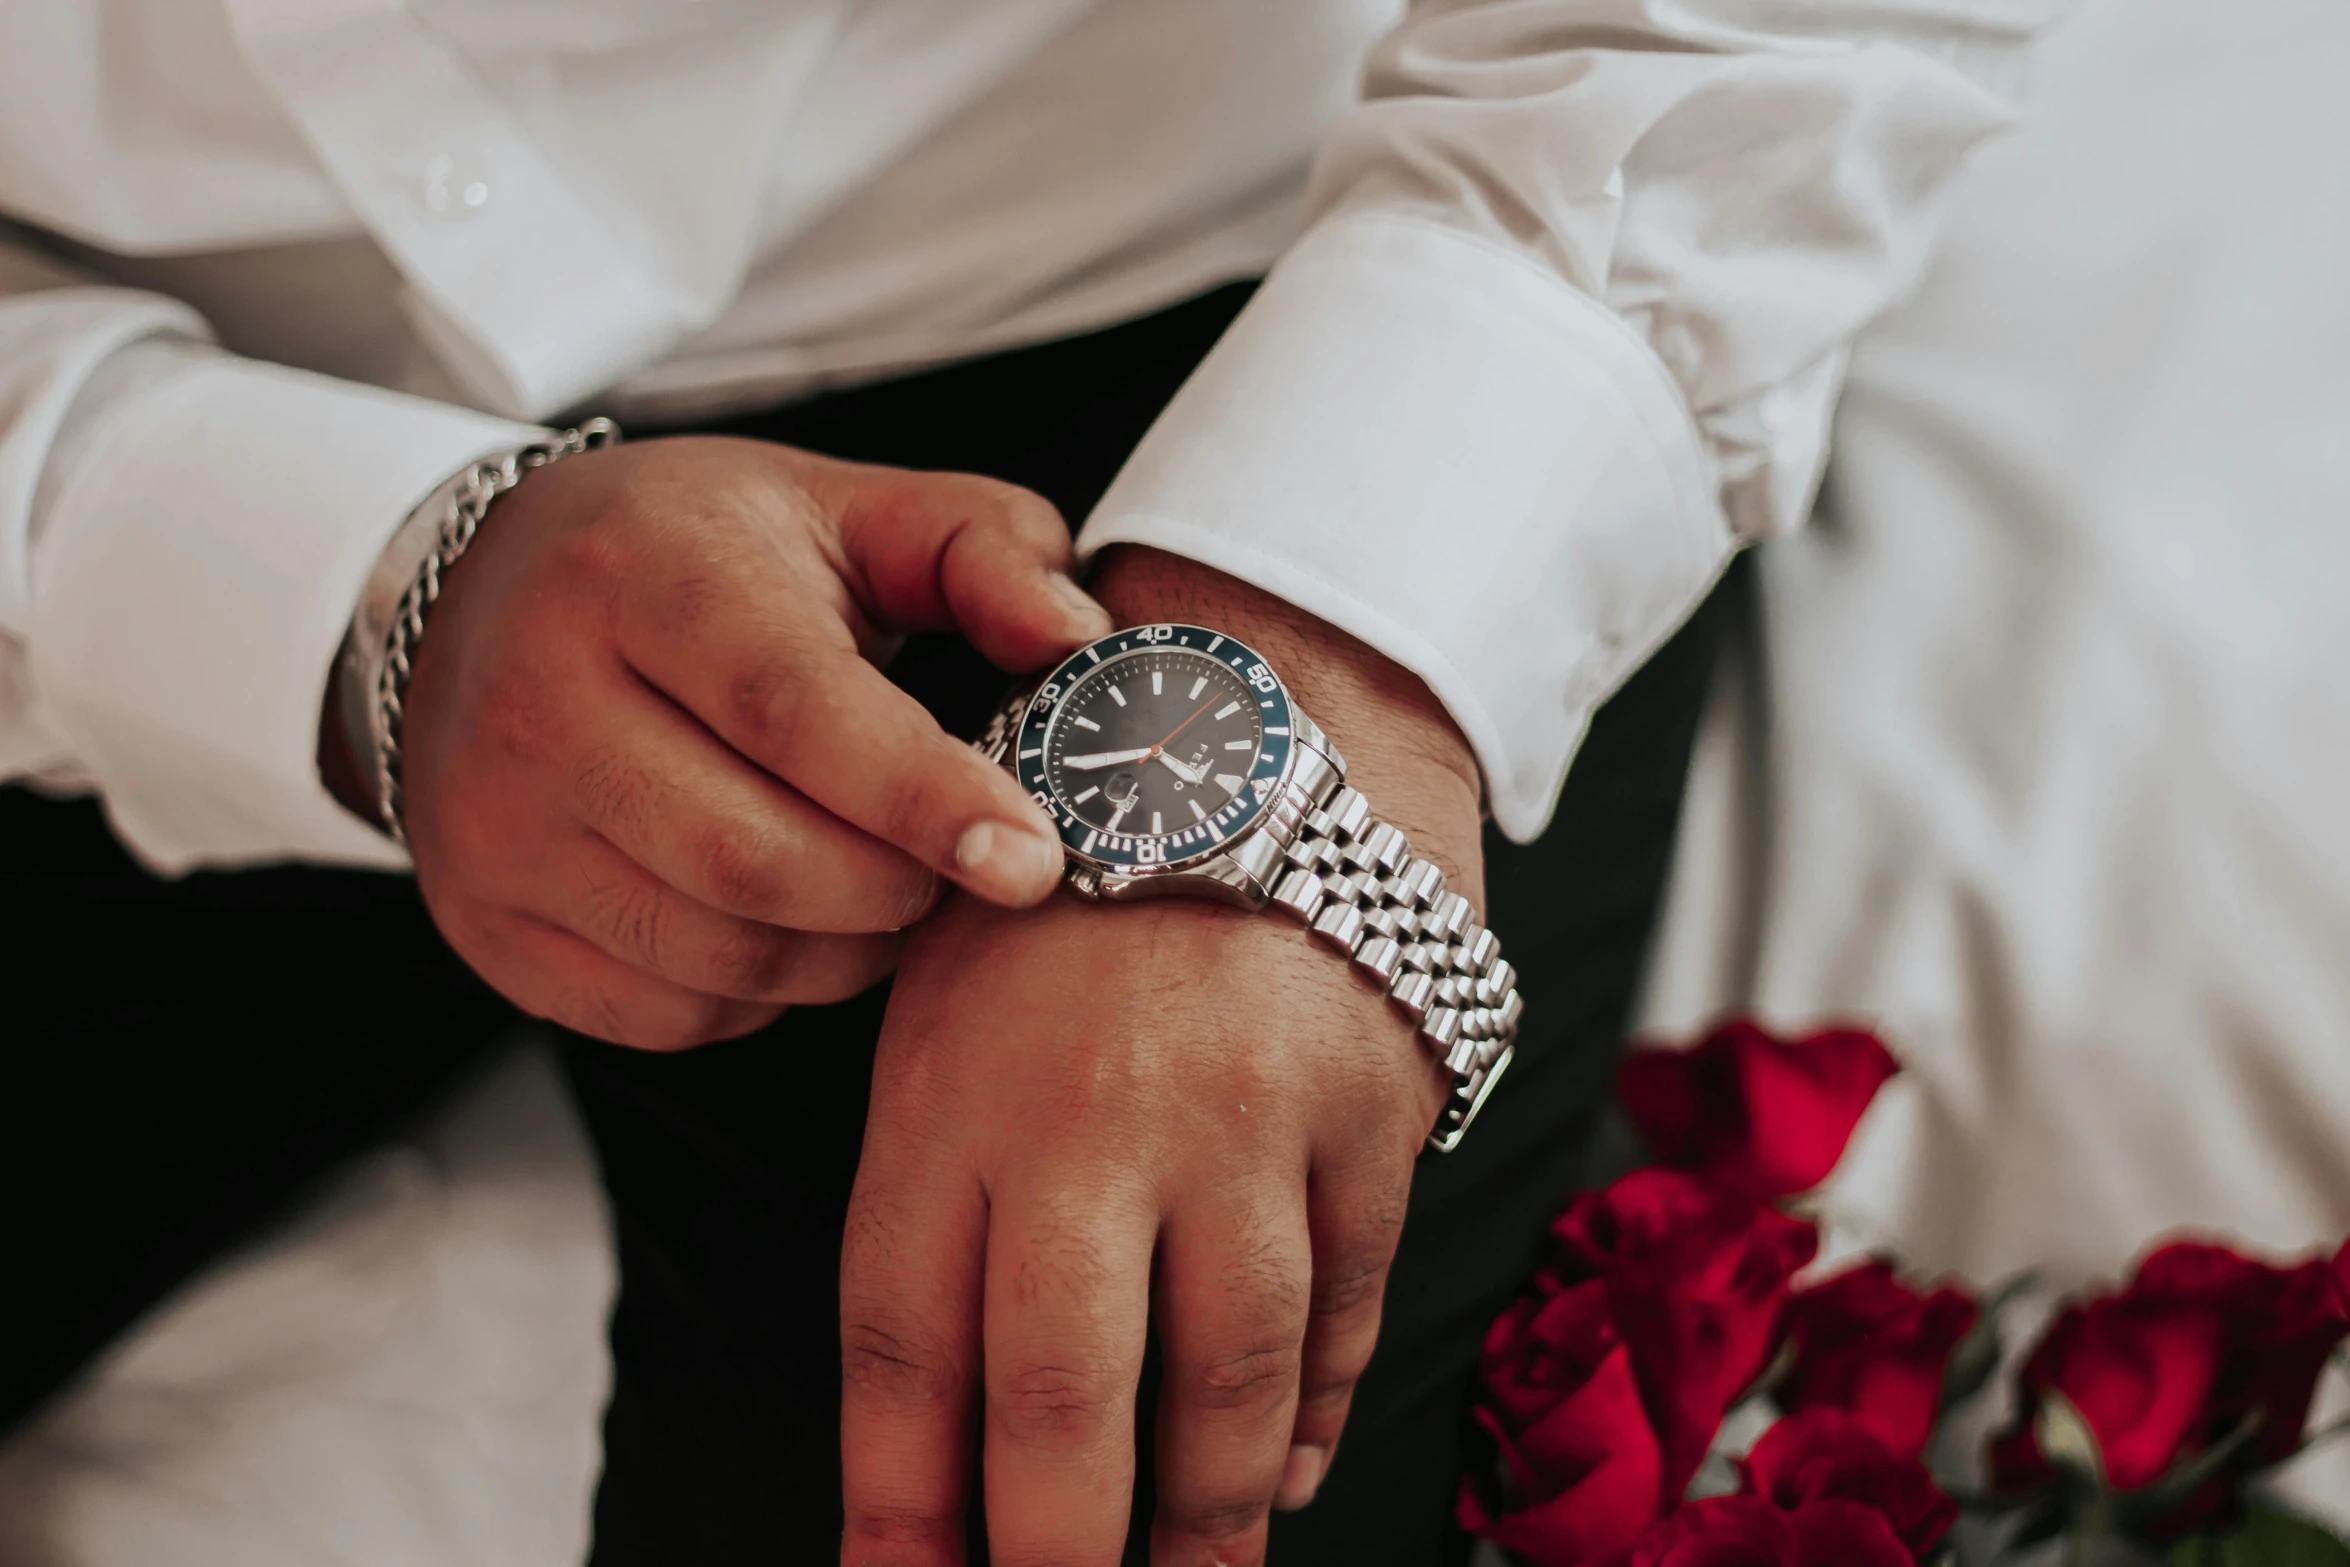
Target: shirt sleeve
[1566,327]
[183,535]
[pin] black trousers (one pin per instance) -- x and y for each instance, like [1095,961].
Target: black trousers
[188,1057]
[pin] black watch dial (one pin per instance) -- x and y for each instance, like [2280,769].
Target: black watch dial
[1155,745]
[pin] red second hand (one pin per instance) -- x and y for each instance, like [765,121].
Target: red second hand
[1179,728]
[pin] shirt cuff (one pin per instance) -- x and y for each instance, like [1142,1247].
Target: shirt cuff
[196,568]
[1446,451]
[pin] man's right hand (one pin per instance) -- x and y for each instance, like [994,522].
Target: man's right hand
[657,787]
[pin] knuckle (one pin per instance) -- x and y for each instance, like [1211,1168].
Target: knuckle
[1049,1404]
[769,701]
[1246,1376]
[633,916]
[753,960]
[915,804]
[894,1364]
[930,1533]
[1222,1518]
[1348,1287]
[591,1010]
[519,718]
[599,551]
[740,869]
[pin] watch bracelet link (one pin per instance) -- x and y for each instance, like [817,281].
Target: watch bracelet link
[1352,881]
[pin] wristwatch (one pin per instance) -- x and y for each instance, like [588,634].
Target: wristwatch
[1172,761]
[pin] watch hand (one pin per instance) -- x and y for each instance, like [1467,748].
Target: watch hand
[1186,724]
[1104,759]
[1188,775]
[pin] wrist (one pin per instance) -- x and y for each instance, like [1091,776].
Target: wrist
[1403,750]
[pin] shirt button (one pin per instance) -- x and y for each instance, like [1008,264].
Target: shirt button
[456,184]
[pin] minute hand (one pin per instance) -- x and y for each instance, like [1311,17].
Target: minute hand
[1105,759]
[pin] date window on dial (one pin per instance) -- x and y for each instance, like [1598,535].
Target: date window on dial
[1121,790]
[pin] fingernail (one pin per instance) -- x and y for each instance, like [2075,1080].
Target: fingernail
[1301,1477]
[1086,618]
[1007,864]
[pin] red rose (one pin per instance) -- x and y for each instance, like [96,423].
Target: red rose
[1866,1342]
[2279,1326]
[1697,1281]
[2342,1279]
[1746,1531]
[1827,1455]
[2139,1368]
[1769,1115]
[1845,1534]
[1583,1472]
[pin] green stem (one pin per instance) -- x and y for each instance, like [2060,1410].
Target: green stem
[2081,1548]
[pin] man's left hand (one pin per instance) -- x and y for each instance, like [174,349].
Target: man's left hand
[1068,1095]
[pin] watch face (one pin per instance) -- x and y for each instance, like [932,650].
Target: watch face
[1154,746]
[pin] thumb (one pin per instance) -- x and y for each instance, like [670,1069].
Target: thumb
[940,551]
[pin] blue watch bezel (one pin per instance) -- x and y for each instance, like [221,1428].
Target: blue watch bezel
[1145,854]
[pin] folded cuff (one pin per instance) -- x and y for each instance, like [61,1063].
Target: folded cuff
[196,571]
[1455,456]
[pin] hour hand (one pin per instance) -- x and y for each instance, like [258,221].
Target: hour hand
[1187,774]
[1086,764]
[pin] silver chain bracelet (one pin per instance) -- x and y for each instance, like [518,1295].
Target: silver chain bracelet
[471,496]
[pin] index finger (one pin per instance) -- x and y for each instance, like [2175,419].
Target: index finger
[777,676]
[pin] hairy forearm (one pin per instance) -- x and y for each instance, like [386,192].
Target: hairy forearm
[1402,749]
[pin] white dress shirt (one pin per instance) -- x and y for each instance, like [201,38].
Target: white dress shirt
[1558,322]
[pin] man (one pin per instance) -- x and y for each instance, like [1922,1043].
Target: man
[1561,326]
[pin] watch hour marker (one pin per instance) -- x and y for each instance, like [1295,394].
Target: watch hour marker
[1025,755]
[1219,837]
[1219,642]
[1082,722]
[1092,836]
[1240,745]
[1090,653]
[1158,826]
[1230,782]
[1087,795]
[1158,682]
[1196,811]
[1197,686]
[1227,710]
[1117,696]
[1276,731]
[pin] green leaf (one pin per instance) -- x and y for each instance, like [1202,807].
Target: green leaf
[1975,1357]
[2268,1539]
[2037,1528]
[2067,1441]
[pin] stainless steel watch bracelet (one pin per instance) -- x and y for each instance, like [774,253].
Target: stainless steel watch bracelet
[387,648]
[1355,885]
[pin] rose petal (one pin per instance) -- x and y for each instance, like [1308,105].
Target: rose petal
[1771,1116]
[1829,1455]
[1845,1534]
[1868,1343]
